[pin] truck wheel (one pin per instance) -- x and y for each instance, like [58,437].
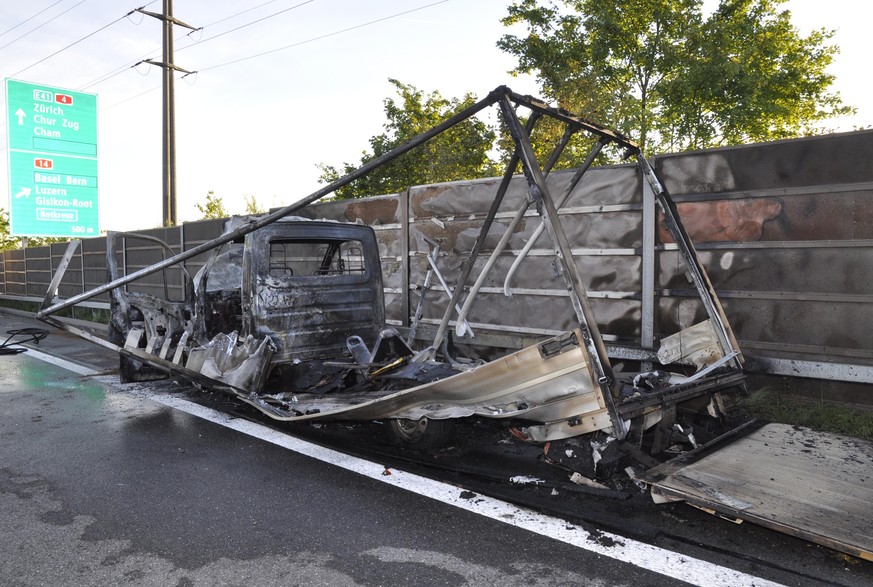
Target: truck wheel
[421,434]
[127,369]
[131,370]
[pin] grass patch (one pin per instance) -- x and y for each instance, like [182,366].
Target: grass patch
[768,404]
[89,314]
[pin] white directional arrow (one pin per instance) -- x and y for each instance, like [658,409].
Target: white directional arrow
[24,193]
[21,115]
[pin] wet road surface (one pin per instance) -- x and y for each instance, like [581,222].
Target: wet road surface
[103,487]
[99,484]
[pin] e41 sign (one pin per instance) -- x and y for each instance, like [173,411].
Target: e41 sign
[52,139]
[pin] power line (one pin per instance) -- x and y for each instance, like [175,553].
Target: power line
[129,65]
[318,38]
[124,68]
[108,76]
[245,25]
[131,98]
[234,15]
[42,25]
[79,41]
[121,69]
[26,20]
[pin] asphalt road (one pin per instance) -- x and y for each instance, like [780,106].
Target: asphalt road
[101,485]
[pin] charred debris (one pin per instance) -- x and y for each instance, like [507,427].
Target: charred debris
[287,315]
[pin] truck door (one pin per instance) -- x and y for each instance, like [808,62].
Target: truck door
[311,286]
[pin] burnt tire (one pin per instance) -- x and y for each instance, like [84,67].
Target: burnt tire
[421,434]
[130,369]
[127,369]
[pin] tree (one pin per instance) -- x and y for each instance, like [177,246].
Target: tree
[253,207]
[213,207]
[459,153]
[7,241]
[667,76]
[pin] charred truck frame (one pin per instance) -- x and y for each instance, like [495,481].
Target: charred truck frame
[288,316]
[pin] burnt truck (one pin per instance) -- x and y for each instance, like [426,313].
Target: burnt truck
[287,314]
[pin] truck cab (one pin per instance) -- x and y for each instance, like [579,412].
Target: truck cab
[303,286]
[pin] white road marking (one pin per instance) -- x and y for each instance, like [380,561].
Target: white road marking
[645,556]
[59,362]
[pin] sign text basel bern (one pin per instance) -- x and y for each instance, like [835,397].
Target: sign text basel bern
[52,139]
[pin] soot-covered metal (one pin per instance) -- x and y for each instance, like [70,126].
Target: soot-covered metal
[287,314]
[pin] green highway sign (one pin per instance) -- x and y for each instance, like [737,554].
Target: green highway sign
[52,146]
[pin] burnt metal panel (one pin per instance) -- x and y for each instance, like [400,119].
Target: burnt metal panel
[540,298]
[601,218]
[838,158]
[196,233]
[784,229]
[808,484]
[801,216]
[815,270]
[372,211]
[312,314]
[801,240]
[388,215]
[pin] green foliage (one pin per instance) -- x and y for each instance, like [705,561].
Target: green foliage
[459,153]
[253,207]
[8,242]
[213,207]
[667,76]
[767,404]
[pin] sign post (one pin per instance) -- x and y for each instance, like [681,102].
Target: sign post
[52,139]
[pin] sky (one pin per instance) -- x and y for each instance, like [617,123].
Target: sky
[303,84]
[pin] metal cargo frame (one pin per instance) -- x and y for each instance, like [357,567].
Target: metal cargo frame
[824,188]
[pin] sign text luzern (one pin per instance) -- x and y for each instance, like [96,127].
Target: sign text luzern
[52,139]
